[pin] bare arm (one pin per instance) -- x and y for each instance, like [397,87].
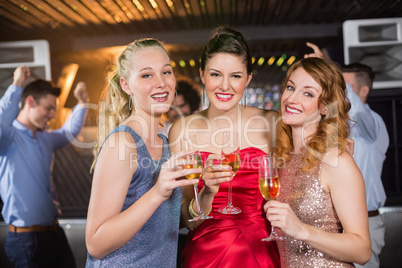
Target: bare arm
[345,183]
[108,228]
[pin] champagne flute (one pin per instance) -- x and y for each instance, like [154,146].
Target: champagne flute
[231,152]
[194,157]
[269,186]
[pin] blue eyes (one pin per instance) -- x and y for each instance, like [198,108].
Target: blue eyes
[307,94]
[290,88]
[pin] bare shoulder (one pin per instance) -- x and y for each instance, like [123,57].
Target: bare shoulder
[191,123]
[339,168]
[336,160]
[271,114]
[175,129]
[121,137]
[261,114]
[117,150]
[255,118]
[259,128]
[196,120]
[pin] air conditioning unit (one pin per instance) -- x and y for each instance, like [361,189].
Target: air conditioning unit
[378,44]
[35,54]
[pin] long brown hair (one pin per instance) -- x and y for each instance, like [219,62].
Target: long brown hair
[333,129]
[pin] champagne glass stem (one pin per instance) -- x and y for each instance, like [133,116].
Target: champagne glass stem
[230,209]
[274,236]
[200,215]
[197,200]
[230,194]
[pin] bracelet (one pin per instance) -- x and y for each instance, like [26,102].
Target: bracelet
[191,210]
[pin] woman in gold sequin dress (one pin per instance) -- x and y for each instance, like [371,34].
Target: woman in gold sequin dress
[322,205]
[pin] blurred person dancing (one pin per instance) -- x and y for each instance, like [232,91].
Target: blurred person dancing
[26,153]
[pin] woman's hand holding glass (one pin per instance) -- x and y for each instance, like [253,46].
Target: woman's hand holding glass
[269,186]
[214,173]
[196,161]
[171,174]
[283,217]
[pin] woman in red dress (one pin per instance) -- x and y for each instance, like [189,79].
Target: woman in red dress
[227,240]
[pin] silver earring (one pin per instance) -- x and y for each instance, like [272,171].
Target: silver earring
[130,103]
[244,99]
[205,101]
[175,93]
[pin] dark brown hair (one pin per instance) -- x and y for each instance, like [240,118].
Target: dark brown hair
[39,89]
[227,40]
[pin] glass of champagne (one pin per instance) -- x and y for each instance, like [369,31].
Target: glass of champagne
[231,152]
[269,185]
[195,158]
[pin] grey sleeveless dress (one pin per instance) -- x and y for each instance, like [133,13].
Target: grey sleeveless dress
[155,244]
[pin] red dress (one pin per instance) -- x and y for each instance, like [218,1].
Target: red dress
[234,240]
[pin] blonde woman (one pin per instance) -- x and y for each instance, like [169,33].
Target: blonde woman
[133,214]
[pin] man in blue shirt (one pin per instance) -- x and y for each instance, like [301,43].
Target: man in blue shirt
[26,153]
[371,143]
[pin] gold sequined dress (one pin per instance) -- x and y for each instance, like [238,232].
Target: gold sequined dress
[312,204]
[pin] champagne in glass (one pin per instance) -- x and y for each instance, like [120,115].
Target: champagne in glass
[195,157]
[198,164]
[233,160]
[269,185]
[231,152]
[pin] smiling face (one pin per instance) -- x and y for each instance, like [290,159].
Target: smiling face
[151,82]
[41,111]
[225,78]
[300,100]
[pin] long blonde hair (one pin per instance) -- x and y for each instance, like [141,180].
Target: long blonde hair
[114,102]
[333,128]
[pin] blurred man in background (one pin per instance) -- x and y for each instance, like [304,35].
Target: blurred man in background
[26,152]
